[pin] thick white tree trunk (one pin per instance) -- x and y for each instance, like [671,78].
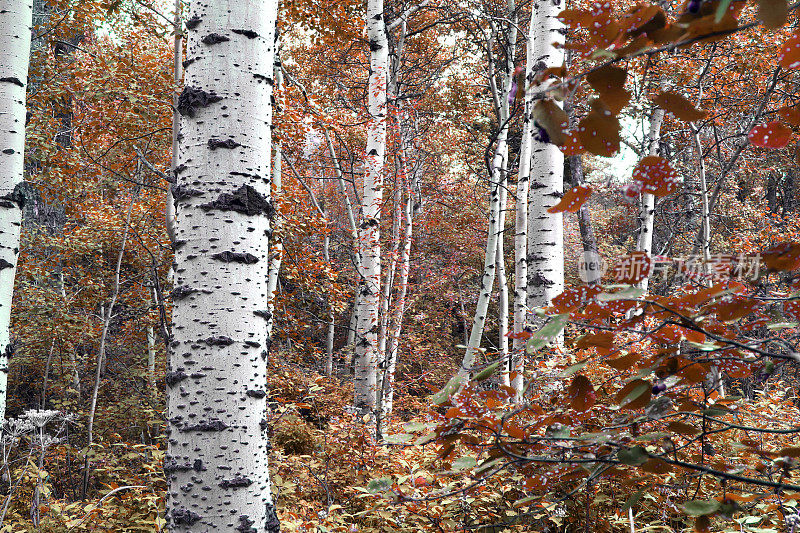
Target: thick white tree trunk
[368,324]
[216,464]
[15,46]
[545,230]
[644,242]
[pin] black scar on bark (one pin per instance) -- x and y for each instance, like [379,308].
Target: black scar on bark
[175,377]
[261,77]
[220,340]
[5,264]
[214,38]
[12,80]
[184,516]
[238,481]
[230,144]
[266,315]
[8,151]
[273,524]
[16,196]
[192,99]
[205,425]
[187,62]
[245,524]
[9,353]
[180,168]
[263,424]
[257,394]
[178,244]
[172,465]
[374,46]
[250,34]
[245,200]
[193,22]
[184,192]
[236,257]
[182,291]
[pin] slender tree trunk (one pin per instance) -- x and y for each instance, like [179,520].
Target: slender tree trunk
[502,281]
[545,230]
[517,360]
[50,352]
[217,458]
[107,315]
[329,336]
[366,352]
[644,242]
[177,70]
[353,227]
[16,18]
[591,259]
[276,242]
[497,185]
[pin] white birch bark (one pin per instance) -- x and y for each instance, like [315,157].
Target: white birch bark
[644,241]
[216,463]
[276,243]
[16,18]
[368,325]
[545,230]
[496,185]
[177,72]
[517,360]
[502,280]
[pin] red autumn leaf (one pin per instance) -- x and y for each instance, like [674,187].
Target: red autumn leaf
[656,176]
[633,268]
[783,256]
[770,135]
[790,115]
[635,394]
[679,106]
[789,56]
[581,393]
[572,200]
[572,144]
[599,133]
[792,309]
[550,117]
[602,341]
[609,82]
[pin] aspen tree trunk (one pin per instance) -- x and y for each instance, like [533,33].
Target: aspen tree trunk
[366,348]
[16,18]
[396,324]
[496,184]
[351,221]
[502,280]
[644,242]
[276,242]
[517,360]
[545,230]
[177,72]
[591,258]
[216,463]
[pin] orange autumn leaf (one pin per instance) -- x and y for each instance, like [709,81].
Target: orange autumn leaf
[679,106]
[770,135]
[572,200]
